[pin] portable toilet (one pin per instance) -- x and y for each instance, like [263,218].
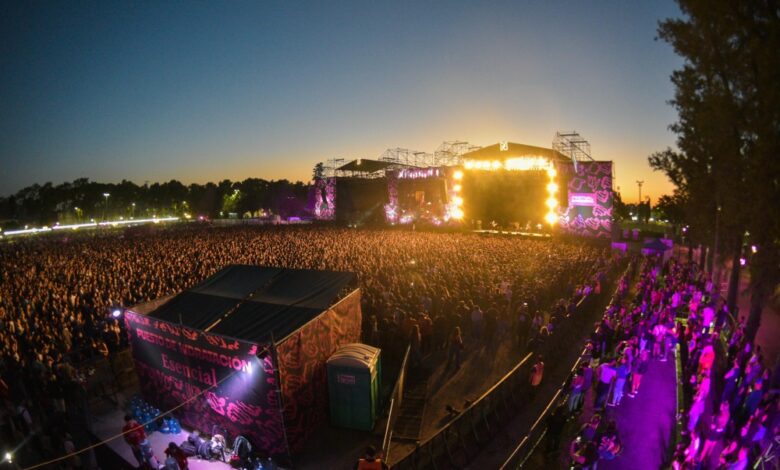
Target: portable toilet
[354,383]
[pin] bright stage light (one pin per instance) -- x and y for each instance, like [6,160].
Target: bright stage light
[8,457]
[457,188]
[116,313]
[552,203]
[458,201]
[458,174]
[551,218]
[457,213]
[551,172]
[552,187]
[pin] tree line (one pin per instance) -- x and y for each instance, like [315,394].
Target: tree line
[83,200]
[726,168]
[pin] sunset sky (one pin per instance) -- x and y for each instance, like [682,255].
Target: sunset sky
[196,91]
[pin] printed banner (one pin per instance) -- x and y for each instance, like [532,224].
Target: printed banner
[302,359]
[593,179]
[226,384]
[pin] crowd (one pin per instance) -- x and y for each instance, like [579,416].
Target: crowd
[57,295]
[733,416]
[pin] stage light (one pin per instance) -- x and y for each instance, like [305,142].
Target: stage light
[551,172]
[551,218]
[457,213]
[496,165]
[458,201]
[552,203]
[458,175]
[742,261]
[116,313]
[552,188]
[753,248]
[8,457]
[469,164]
[457,188]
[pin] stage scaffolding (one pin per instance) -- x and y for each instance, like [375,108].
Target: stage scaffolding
[449,153]
[573,145]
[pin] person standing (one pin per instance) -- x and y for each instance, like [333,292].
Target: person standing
[606,374]
[621,374]
[537,373]
[370,461]
[134,435]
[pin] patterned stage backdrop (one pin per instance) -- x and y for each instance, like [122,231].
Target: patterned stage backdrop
[176,363]
[302,358]
[590,199]
[325,199]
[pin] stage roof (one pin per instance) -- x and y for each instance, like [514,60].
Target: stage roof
[256,303]
[368,166]
[513,150]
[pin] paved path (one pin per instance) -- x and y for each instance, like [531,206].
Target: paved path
[646,422]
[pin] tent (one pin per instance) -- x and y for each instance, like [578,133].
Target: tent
[655,246]
[245,350]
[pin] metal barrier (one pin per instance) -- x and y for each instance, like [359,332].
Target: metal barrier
[395,404]
[458,442]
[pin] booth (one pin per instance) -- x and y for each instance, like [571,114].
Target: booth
[246,351]
[354,384]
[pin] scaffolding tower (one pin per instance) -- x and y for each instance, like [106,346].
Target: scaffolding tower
[573,145]
[450,152]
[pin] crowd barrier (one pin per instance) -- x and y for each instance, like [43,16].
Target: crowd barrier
[458,442]
[396,397]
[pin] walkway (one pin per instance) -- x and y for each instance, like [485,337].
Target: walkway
[645,423]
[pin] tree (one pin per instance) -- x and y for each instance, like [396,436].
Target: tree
[672,208]
[727,95]
[318,172]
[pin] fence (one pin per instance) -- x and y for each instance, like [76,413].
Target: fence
[395,404]
[457,443]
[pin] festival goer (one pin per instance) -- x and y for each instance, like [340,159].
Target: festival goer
[370,461]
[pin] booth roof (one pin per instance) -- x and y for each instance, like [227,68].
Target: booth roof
[256,303]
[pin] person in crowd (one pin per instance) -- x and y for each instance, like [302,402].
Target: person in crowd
[175,457]
[370,461]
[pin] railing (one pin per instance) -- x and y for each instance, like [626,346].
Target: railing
[395,404]
[528,444]
[457,443]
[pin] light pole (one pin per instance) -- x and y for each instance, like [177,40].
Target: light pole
[133,216]
[639,184]
[105,209]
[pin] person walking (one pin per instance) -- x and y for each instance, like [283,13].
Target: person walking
[606,374]
[537,373]
[455,348]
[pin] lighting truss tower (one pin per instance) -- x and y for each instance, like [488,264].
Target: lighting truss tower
[573,145]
